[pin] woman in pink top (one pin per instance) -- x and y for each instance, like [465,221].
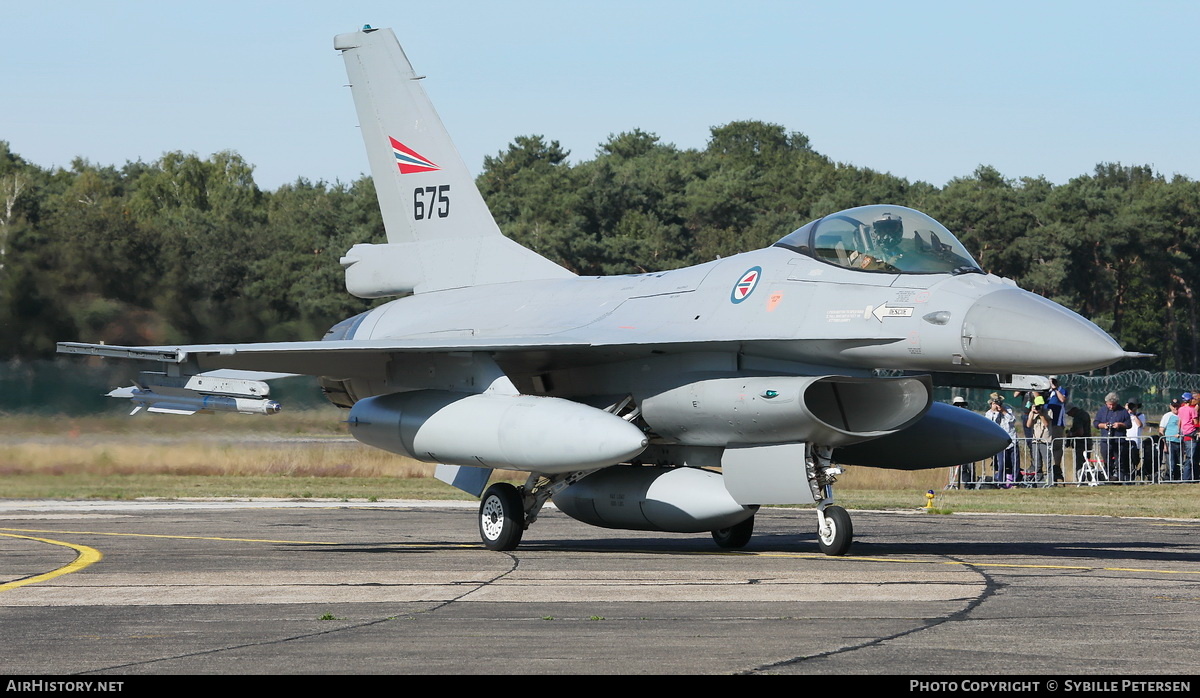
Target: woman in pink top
[1187,427]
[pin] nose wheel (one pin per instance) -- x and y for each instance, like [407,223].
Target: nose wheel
[835,531]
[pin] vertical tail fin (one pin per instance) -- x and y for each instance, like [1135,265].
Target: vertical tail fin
[440,232]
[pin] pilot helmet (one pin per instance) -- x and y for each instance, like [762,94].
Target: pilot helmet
[888,230]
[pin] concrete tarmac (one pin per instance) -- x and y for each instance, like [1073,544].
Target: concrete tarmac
[307,587]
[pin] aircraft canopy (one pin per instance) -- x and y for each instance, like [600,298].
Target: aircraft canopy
[891,239]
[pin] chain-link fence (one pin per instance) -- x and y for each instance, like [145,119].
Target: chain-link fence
[1153,391]
[1080,461]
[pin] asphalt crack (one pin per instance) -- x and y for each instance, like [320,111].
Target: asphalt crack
[514,560]
[991,587]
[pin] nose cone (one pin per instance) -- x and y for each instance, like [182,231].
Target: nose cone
[1015,331]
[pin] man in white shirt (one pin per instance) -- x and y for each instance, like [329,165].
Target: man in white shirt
[1138,465]
[1007,469]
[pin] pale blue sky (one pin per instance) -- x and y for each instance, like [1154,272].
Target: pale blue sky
[925,90]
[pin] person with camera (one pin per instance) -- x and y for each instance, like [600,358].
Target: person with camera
[1039,423]
[1007,470]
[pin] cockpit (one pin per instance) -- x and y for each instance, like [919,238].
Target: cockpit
[890,239]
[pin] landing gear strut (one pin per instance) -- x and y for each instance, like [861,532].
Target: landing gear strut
[505,511]
[835,531]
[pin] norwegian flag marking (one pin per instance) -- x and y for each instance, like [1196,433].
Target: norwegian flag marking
[410,161]
[745,285]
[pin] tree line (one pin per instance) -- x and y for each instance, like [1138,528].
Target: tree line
[190,249]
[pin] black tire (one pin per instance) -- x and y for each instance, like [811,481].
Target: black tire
[841,532]
[736,536]
[501,517]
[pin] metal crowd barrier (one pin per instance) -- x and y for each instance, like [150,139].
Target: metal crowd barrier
[1079,461]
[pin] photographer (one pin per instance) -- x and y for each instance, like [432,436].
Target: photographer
[1040,423]
[1006,460]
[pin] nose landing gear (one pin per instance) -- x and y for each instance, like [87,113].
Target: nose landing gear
[835,531]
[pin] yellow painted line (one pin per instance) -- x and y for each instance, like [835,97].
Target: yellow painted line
[233,540]
[815,556]
[157,535]
[86,557]
[800,556]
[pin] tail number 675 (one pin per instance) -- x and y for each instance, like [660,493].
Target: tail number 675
[431,201]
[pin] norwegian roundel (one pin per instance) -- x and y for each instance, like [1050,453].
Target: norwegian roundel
[745,285]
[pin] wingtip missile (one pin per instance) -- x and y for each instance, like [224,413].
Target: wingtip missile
[164,403]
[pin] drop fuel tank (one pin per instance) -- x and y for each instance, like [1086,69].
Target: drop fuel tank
[521,432]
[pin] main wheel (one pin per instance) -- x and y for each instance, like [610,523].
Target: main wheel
[834,538]
[501,517]
[736,536]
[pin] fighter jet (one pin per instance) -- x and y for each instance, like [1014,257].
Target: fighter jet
[676,401]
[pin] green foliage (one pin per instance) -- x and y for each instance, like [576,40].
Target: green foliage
[190,249]
[182,249]
[531,187]
[298,283]
[1116,246]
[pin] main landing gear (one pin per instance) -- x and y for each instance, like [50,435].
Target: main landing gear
[736,536]
[501,517]
[505,510]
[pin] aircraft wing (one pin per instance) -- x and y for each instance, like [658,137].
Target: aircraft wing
[368,358]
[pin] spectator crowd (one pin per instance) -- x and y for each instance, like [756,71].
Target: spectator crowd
[1120,445]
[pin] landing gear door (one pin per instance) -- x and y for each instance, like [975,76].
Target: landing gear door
[469,479]
[767,474]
